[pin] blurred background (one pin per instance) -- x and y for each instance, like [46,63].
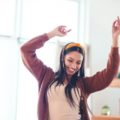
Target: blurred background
[91,23]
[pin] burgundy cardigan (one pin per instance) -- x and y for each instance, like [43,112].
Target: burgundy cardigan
[45,75]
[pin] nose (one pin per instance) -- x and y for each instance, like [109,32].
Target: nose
[74,66]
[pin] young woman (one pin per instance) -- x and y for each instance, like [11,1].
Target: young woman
[63,94]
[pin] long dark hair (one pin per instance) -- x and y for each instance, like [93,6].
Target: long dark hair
[60,75]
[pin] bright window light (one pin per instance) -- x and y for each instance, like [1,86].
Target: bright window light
[7,19]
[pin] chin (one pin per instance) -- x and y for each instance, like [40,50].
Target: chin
[70,74]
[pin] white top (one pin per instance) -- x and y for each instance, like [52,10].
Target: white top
[59,108]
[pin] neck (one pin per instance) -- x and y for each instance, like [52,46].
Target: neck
[67,79]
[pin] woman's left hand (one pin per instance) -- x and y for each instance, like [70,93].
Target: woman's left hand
[116,29]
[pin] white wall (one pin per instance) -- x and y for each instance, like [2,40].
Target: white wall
[8,78]
[102,13]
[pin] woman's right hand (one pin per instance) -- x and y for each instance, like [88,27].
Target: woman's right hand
[60,31]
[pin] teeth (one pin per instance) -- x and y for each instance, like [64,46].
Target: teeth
[70,69]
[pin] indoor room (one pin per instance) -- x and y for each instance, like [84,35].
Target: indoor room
[90,22]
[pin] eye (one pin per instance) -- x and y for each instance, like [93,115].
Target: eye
[70,60]
[78,63]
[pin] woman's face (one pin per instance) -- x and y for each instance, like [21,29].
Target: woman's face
[73,61]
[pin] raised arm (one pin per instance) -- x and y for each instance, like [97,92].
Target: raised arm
[103,78]
[28,52]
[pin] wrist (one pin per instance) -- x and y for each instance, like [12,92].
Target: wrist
[50,34]
[115,43]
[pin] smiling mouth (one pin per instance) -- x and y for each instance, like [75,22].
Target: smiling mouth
[71,71]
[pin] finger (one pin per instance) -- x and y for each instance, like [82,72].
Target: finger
[114,24]
[61,28]
[117,23]
[118,20]
[68,30]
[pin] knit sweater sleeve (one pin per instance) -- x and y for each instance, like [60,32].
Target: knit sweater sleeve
[103,78]
[30,60]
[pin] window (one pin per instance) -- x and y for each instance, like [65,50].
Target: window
[7,19]
[40,16]
[8,78]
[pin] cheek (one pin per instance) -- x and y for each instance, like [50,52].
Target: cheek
[66,63]
[79,66]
